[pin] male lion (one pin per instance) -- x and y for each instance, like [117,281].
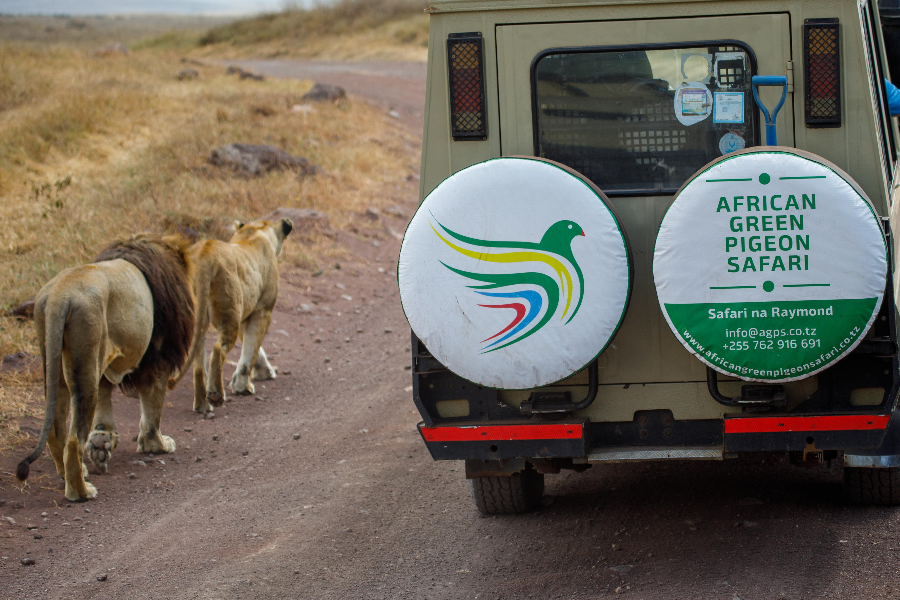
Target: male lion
[235,285]
[127,320]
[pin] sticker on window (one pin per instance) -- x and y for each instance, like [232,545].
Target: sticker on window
[731,142]
[731,69]
[693,103]
[696,67]
[729,107]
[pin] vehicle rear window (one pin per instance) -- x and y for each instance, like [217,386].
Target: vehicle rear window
[641,121]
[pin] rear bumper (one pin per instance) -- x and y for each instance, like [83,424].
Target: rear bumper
[506,440]
[854,434]
[785,434]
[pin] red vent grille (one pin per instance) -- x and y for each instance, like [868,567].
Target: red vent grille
[466,59]
[821,51]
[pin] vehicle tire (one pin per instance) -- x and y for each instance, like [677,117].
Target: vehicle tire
[868,486]
[510,495]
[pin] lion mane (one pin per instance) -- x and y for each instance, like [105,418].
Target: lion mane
[167,271]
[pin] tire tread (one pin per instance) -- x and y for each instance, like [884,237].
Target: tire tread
[872,486]
[507,495]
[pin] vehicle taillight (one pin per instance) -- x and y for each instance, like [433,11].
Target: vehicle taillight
[465,56]
[821,53]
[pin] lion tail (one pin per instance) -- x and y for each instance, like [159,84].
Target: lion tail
[55,317]
[202,283]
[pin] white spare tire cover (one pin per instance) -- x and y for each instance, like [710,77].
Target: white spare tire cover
[770,265]
[515,273]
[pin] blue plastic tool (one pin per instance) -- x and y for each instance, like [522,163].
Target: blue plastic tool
[771,134]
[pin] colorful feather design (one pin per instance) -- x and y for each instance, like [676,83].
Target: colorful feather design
[554,245]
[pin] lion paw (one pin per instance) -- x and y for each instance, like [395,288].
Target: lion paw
[90,492]
[202,406]
[99,447]
[215,398]
[264,373]
[158,445]
[241,384]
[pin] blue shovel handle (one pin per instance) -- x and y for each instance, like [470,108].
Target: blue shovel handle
[771,134]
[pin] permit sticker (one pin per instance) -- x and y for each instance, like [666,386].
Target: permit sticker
[770,265]
[731,142]
[693,103]
[729,107]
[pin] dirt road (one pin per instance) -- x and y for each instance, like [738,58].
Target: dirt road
[355,508]
[395,85]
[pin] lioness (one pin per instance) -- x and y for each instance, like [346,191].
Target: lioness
[127,320]
[235,286]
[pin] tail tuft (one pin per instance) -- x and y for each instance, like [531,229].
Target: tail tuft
[172,383]
[23,470]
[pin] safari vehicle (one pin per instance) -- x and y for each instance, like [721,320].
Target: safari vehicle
[590,85]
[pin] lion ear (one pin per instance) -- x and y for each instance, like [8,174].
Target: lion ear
[238,225]
[286,226]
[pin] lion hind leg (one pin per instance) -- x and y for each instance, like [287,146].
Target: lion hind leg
[254,330]
[215,384]
[104,437]
[56,441]
[77,488]
[83,379]
[152,401]
[263,370]
[201,404]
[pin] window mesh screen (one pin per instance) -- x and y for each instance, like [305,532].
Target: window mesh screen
[614,115]
[467,117]
[823,83]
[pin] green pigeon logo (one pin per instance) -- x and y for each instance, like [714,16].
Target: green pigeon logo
[555,244]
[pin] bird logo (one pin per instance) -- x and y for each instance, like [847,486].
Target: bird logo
[554,250]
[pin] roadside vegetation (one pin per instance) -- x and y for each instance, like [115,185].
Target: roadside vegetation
[94,147]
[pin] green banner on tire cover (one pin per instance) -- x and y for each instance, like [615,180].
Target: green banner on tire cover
[770,265]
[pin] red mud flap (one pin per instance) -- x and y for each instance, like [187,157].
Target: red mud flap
[827,432]
[506,440]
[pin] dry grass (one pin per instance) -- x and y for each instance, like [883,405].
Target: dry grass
[95,149]
[20,397]
[347,30]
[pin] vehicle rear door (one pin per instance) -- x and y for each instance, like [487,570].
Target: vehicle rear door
[638,106]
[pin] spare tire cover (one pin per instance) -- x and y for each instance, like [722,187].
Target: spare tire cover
[515,273]
[770,265]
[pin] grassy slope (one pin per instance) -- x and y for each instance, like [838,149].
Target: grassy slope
[93,148]
[351,29]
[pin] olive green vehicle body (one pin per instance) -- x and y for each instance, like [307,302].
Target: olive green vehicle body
[646,368]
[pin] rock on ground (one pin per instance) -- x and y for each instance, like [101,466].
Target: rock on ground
[235,70]
[20,361]
[24,310]
[186,74]
[322,92]
[395,211]
[251,160]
